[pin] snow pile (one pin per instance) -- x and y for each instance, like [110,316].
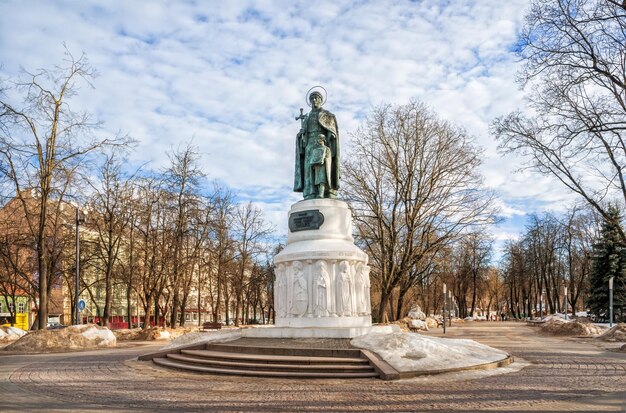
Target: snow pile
[415,352]
[556,317]
[408,324]
[71,338]
[126,334]
[431,322]
[416,313]
[152,333]
[8,333]
[615,333]
[419,325]
[403,323]
[468,319]
[197,337]
[580,328]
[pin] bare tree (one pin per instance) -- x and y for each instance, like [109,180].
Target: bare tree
[41,141]
[575,71]
[110,206]
[250,232]
[223,248]
[182,180]
[413,183]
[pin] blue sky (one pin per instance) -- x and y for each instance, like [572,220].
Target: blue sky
[231,76]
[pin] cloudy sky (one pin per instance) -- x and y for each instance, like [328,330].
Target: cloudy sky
[230,76]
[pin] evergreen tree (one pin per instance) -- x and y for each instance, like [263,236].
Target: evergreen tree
[608,260]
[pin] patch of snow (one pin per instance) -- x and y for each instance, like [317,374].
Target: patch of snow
[84,336]
[197,337]
[103,336]
[14,331]
[416,313]
[468,319]
[164,335]
[582,314]
[415,352]
[419,325]
[616,333]
[580,327]
[556,317]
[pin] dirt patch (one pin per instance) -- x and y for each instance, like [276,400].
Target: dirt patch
[578,328]
[616,333]
[86,336]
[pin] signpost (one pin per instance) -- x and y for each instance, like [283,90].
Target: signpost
[79,220]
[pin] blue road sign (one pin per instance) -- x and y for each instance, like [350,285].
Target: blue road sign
[81,305]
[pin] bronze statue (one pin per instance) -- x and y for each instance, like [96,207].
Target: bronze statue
[317,152]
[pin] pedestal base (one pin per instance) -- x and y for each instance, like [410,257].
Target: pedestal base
[322,279]
[314,332]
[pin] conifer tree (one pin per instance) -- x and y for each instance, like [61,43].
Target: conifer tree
[608,260]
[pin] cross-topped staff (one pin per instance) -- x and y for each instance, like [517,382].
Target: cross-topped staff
[301,118]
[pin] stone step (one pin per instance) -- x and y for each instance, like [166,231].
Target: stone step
[345,368]
[268,358]
[285,351]
[261,373]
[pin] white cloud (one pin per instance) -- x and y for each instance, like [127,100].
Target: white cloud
[232,76]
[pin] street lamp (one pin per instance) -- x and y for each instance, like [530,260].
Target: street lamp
[611,302]
[565,302]
[79,220]
[444,308]
[450,309]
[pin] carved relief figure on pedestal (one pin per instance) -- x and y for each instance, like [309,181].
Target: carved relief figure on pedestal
[344,292]
[300,294]
[359,289]
[280,291]
[321,285]
[368,298]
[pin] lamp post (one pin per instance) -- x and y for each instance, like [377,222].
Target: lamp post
[565,302]
[444,308]
[611,302]
[540,303]
[79,220]
[450,309]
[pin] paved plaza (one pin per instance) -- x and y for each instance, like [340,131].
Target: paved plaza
[550,375]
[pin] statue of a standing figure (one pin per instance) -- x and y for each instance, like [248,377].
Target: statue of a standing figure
[317,151]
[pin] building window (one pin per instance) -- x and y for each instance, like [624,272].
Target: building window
[20,307]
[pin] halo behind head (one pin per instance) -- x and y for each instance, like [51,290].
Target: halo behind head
[316,90]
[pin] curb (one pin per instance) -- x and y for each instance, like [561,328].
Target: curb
[485,366]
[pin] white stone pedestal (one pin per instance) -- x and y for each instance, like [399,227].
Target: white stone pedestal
[322,286]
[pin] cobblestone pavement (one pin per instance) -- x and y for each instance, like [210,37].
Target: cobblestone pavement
[550,375]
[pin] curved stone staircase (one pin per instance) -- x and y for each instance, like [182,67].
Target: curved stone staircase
[274,361]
